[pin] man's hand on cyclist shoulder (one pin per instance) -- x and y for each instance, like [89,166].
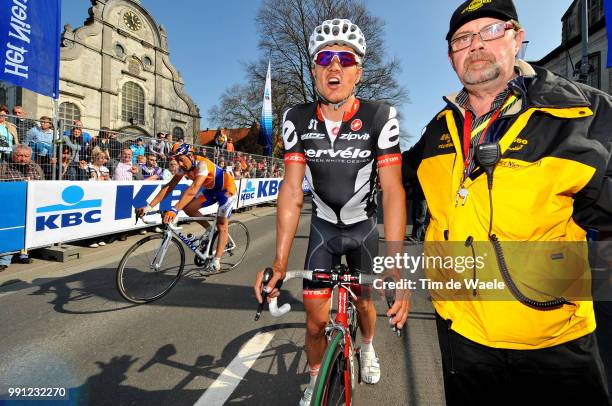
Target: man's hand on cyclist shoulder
[278,274]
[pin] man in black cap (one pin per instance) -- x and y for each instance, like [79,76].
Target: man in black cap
[519,154]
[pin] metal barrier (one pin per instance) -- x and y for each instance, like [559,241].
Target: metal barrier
[74,152]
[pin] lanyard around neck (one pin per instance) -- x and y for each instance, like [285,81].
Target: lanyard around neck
[468,133]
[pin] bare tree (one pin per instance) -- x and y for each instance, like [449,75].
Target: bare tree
[284,31]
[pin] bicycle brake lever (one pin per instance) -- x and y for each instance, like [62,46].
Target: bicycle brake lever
[390,302]
[264,295]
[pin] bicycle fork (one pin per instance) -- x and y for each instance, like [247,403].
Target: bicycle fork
[161,253]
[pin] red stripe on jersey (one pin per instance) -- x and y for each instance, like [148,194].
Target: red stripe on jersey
[295,158]
[324,293]
[389,159]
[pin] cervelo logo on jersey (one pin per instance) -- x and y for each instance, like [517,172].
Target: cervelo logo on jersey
[389,135]
[356,125]
[354,136]
[349,153]
[312,136]
[73,211]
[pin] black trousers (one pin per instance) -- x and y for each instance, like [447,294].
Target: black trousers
[568,374]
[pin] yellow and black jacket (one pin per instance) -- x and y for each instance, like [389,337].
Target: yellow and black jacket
[554,181]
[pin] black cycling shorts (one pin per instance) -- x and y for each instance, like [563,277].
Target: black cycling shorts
[328,243]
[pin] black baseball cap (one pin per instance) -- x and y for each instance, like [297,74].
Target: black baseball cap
[474,9]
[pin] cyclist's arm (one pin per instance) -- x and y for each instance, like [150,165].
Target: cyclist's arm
[167,188]
[394,203]
[190,193]
[290,200]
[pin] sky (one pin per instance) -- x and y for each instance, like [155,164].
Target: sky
[210,41]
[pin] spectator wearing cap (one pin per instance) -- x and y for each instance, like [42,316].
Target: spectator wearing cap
[8,132]
[138,149]
[528,162]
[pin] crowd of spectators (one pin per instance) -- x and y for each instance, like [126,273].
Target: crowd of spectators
[27,153]
[105,154]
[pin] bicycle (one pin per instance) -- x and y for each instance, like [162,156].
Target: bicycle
[336,380]
[147,272]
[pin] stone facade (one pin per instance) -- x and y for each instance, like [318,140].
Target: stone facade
[116,69]
[563,60]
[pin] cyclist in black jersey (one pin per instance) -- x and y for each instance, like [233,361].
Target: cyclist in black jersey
[342,145]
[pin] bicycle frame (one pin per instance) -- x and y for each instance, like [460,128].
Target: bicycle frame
[172,230]
[343,322]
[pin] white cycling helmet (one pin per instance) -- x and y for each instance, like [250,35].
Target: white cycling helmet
[337,31]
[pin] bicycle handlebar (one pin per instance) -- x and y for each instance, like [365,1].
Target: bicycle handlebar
[172,226]
[334,278]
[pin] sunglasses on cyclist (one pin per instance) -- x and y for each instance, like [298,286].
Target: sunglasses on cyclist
[346,58]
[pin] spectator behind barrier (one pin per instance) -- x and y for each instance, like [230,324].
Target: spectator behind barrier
[40,139]
[97,169]
[173,168]
[106,142]
[70,170]
[159,148]
[21,166]
[76,144]
[138,149]
[22,122]
[150,170]
[8,132]
[87,138]
[124,169]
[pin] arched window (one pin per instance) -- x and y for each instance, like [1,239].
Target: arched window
[69,112]
[177,133]
[132,103]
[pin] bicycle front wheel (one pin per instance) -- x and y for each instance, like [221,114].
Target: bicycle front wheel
[334,383]
[147,271]
[237,245]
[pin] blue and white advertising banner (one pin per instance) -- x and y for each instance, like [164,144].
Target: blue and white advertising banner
[30,44]
[61,211]
[13,219]
[256,191]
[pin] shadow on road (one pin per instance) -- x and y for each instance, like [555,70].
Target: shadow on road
[276,368]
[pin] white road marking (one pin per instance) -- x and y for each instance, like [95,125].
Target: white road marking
[226,383]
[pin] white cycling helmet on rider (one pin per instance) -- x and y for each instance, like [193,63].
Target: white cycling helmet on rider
[338,31]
